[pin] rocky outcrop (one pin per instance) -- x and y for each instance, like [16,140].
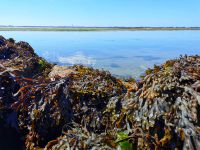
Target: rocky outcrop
[54,107]
[21,56]
[166,105]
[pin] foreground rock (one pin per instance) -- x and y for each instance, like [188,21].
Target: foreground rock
[53,107]
[45,108]
[8,117]
[162,112]
[166,105]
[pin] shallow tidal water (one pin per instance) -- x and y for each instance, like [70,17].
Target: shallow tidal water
[123,53]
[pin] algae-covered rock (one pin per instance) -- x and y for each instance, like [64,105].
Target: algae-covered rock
[79,137]
[10,137]
[91,91]
[43,111]
[22,57]
[167,104]
[43,106]
[2,41]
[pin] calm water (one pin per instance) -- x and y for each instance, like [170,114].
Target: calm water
[126,53]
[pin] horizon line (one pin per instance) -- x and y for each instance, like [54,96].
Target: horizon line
[72,26]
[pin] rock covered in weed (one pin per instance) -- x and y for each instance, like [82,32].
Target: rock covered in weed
[166,104]
[2,41]
[44,108]
[83,108]
[21,56]
[91,91]
[10,137]
[79,137]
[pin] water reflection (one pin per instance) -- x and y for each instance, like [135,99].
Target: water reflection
[149,58]
[78,58]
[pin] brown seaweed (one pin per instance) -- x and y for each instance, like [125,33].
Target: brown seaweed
[53,107]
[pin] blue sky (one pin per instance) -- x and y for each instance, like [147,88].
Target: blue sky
[100,12]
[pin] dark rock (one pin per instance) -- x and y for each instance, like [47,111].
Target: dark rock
[10,137]
[2,41]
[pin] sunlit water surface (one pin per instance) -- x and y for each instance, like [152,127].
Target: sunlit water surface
[123,53]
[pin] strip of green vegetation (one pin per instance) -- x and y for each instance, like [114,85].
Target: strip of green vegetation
[95,29]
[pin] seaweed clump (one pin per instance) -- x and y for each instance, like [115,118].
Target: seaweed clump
[45,106]
[166,105]
[21,56]
[161,111]
[8,117]
[44,109]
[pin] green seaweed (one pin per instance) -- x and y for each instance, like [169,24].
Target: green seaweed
[42,64]
[124,144]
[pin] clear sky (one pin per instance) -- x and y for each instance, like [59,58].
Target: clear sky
[100,12]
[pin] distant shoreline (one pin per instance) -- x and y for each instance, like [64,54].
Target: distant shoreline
[71,28]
